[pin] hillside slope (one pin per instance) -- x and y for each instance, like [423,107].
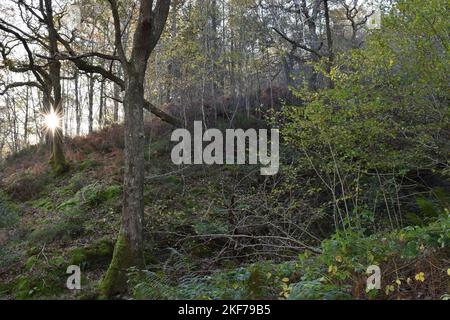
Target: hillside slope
[212,232]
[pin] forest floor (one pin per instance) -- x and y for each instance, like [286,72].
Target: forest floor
[48,223]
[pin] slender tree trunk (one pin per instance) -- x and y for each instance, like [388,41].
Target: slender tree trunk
[129,246]
[64,118]
[101,106]
[116,103]
[314,40]
[42,136]
[12,121]
[116,92]
[77,105]
[27,111]
[128,251]
[329,44]
[91,103]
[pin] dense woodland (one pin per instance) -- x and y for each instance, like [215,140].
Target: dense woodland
[91,90]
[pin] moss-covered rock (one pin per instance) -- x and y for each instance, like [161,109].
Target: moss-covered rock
[111,193]
[97,254]
[38,286]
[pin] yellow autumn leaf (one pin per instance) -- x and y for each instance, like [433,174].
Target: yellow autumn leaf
[388,289]
[448,271]
[420,277]
[285,279]
[332,269]
[338,258]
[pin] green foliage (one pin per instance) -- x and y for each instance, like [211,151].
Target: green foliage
[356,160]
[111,193]
[386,118]
[318,290]
[346,256]
[91,196]
[88,164]
[43,203]
[158,147]
[33,287]
[72,223]
[42,277]
[429,209]
[255,281]
[9,215]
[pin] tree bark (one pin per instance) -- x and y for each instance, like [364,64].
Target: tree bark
[117,97]
[91,103]
[101,107]
[330,83]
[57,160]
[27,114]
[77,104]
[128,251]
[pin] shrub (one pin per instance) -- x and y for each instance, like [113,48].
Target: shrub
[385,122]
[339,271]
[26,186]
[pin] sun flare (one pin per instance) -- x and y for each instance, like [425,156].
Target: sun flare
[52,121]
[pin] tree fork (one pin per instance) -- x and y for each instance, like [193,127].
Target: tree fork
[128,251]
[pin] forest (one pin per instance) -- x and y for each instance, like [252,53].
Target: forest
[224,150]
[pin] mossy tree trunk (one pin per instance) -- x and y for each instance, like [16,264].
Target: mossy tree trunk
[128,251]
[57,159]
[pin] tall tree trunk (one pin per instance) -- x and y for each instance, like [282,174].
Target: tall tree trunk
[91,103]
[173,67]
[64,118]
[116,103]
[27,114]
[116,90]
[128,251]
[313,39]
[101,108]
[129,247]
[57,160]
[329,44]
[77,104]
